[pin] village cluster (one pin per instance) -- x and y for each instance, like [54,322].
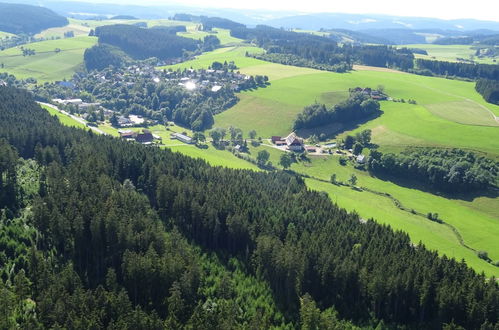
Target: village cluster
[205,81]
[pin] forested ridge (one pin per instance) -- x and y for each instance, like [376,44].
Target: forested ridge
[115,233]
[19,18]
[141,43]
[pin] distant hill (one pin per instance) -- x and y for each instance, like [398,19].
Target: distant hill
[123,17]
[18,18]
[343,35]
[359,22]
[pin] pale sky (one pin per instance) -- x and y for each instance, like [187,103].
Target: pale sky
[445,9]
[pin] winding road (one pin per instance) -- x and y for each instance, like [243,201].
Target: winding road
[78,119]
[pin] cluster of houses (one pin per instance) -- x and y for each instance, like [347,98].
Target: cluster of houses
[372,93]
[144,137]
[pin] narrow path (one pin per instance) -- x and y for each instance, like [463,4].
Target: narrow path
[78,119]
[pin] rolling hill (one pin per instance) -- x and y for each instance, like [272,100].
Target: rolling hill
[19,18]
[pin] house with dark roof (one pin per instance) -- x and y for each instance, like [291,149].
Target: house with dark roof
[145,137]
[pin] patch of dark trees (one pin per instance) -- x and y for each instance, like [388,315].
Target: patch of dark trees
[357,107]
[454,41]
[208,23]
[26,19]
[457,69]
[124,17]
[140,43]
[489,89]
[113,222]
[322,50]
[451,171]
[102,56]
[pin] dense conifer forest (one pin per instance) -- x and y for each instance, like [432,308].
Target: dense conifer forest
[141,43]
[101,233]
[489,89]
[458,69]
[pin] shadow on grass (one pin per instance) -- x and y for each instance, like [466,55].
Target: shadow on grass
[332,130]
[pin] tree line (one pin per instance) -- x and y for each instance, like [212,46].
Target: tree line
[318,50]
[457,69]
[119,230]
[357,107]
[452,170]
[489,89]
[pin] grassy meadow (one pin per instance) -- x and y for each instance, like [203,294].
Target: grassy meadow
[448,113]
[449,53]
[64,119]
[47,64]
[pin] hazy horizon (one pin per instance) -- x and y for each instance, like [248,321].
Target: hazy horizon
[447,10]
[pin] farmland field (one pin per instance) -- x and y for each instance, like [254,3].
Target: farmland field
[47,64]
[448,113]
[449,53]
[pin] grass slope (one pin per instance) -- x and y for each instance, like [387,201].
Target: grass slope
[271,111]
[46,64]
[64,119]
[449,53]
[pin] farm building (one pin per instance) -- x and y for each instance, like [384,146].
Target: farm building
[145,137]
[128,135]
[294,143]
[361,159]
[275,139]
[181,137]
[311,149]
[124,122]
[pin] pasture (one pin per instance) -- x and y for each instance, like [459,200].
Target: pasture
[47,64]
[448,113]
[449,53]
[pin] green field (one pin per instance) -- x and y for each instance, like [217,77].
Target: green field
[46,64]
[64,119]
[449,53]
[222,34]
[449,113]
[5,34]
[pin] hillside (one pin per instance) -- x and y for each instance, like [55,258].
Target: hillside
[17,18]
[52,59]
[448,113]
[129,212]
